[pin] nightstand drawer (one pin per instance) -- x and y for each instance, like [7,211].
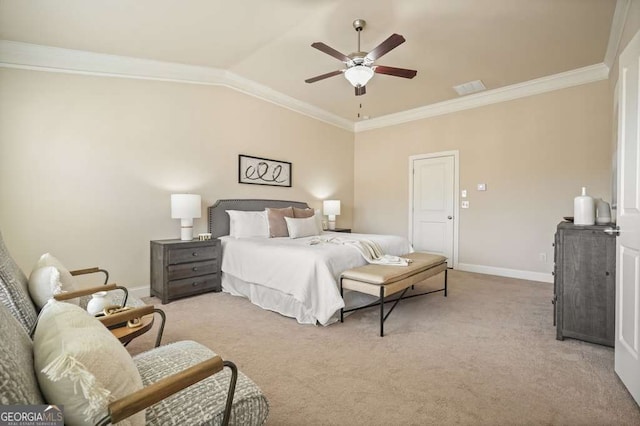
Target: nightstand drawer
[193,254]
[195,269]
[188,286]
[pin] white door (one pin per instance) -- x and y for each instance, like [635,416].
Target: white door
[433,201]
[627,343]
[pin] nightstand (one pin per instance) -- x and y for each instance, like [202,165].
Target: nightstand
[184,268]
[345,230]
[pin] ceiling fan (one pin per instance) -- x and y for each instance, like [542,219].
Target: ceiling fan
[360,67]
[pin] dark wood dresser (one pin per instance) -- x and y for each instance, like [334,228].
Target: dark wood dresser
[585,283]
[184,268]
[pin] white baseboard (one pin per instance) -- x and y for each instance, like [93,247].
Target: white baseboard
[139,292]
[504,272]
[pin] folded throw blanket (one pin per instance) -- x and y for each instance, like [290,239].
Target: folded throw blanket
[370,250]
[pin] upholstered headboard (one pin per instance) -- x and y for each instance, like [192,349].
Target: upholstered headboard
[219,219]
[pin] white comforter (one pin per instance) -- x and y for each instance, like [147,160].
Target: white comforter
[309,273]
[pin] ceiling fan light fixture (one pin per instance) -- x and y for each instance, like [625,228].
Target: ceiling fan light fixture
[358,75]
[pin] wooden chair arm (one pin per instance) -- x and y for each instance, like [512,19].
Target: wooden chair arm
[163,388]
[128,315]
[93,270]
[84,292]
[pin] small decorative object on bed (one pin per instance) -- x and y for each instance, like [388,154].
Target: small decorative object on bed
[262,171]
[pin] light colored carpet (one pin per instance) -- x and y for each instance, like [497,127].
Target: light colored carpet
[487,354]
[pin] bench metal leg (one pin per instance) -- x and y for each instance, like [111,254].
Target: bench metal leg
[445,282]
[382,318]
[342,296]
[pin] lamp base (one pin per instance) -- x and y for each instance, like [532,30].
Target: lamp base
[332,222]
[186,229]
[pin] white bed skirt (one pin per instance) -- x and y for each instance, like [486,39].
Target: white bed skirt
[285,304]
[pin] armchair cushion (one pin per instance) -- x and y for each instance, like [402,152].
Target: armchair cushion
[14,293]
[81,365]
[18,384]
[203,402]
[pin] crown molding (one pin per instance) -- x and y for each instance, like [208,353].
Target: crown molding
[617,28]
[563,80]
[55,59]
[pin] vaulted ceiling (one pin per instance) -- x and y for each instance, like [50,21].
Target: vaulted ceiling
[501,42]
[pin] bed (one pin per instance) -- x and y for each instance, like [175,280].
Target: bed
[291,276]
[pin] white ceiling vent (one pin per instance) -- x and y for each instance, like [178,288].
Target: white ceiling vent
[469,87]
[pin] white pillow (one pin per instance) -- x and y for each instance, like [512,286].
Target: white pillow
[318,216]
[81,365]
[44,283]
[248,224]
[299,228]
[68,282]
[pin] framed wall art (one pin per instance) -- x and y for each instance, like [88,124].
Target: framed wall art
[263,171]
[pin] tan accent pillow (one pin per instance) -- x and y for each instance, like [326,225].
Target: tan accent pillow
[302,213]
[81,365]
[277,225]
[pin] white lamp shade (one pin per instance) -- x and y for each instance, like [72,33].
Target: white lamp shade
[331,207]
[185,206]
[358,75]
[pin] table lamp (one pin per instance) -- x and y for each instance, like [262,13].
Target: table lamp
[331,208]
[185,207]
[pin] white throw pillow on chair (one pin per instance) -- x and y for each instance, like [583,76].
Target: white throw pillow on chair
[68,282]
[44,283]
[80,364]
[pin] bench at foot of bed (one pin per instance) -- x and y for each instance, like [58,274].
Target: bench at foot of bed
[385,280]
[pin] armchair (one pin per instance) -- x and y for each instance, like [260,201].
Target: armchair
[182,383]
[14,293]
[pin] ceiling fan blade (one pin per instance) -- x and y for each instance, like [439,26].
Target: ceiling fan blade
[361,90]
[396,72]
[383,48]
[331,51]
[323,76]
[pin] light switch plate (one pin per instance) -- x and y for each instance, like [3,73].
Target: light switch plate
[465,204]
[463,193]
[482,187]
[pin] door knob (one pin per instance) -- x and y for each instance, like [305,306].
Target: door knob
[613,231]
[449,217]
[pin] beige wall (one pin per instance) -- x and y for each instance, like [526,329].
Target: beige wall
[533,153]
[87,164]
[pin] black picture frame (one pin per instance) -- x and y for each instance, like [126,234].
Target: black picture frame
[264,171]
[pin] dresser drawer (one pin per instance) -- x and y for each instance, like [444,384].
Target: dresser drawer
[193,269]
[184,268]
[193,254]
[192,285]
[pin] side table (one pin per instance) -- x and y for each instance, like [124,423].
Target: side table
[185,268]
[126,334]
